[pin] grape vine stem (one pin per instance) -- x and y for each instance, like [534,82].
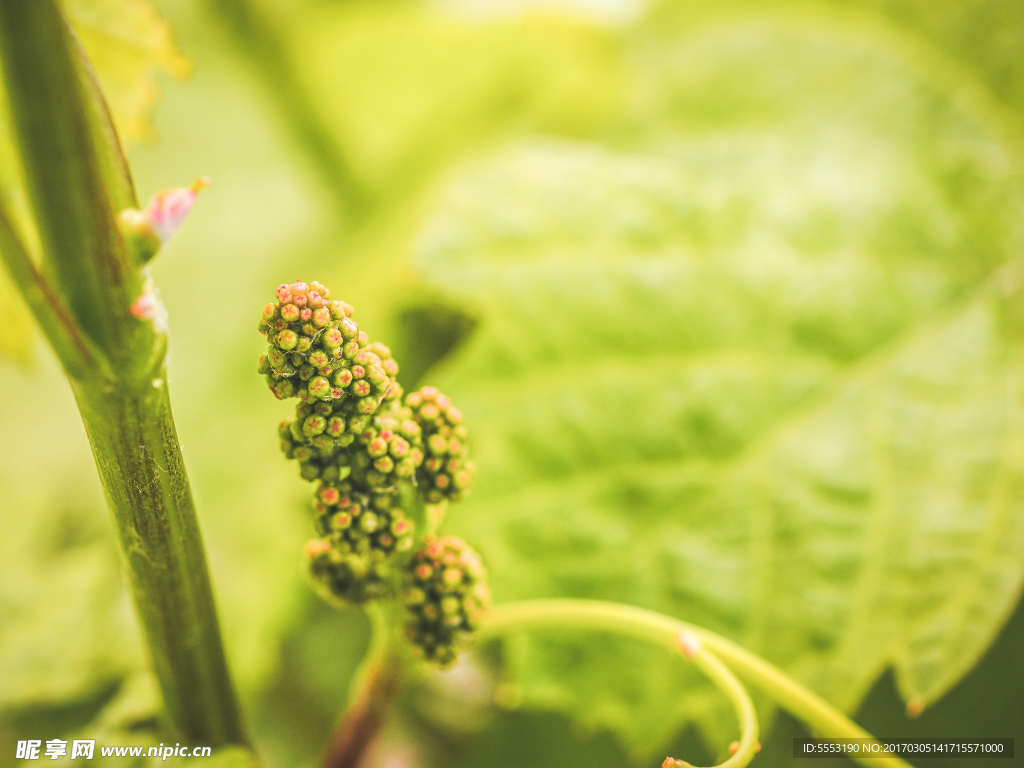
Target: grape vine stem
[714,655]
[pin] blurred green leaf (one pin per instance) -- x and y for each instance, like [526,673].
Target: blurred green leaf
[129,44]
[131,719]
[763,372]
[405,90]
[66,624]
[983,36]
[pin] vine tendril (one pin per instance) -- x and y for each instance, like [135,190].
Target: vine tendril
[715,656]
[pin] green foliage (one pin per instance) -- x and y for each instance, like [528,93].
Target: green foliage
[61,580]
[982,37]
[760,267]
[762,371]
[128,44]
[402,116]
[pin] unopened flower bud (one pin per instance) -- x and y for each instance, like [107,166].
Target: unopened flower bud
[314,425]
[140,239]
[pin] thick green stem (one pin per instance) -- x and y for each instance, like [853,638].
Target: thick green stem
[664,630]
[140,465]
[103,318]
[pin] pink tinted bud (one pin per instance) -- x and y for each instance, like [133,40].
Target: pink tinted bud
[148,307]
[320,387]
[321,317]
[434,548]
[332,338]
[348,328]
[287,339]
[168,208]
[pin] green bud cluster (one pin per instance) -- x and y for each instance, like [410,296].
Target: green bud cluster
[366,445]
[446,472]
[388,452]
[363,535]
[312,339]
[376,452]
[445,594]
[318,437]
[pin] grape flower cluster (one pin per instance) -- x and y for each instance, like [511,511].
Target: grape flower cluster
[364,445]
[445,594]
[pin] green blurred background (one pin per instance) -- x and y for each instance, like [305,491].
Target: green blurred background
[727,293]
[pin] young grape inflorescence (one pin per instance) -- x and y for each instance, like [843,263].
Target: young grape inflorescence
[364,444]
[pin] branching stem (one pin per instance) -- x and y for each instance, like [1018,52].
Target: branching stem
[374,687]
[666,631]
[76,353]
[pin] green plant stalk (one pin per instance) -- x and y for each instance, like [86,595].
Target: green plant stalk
[82,294]
[373,689]
[664,630]
[136,449]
